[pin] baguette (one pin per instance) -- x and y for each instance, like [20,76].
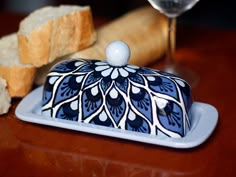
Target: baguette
[52,32]
[19,77]
[143,29]
[5,99]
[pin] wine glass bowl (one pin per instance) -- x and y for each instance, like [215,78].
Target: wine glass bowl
[172,9]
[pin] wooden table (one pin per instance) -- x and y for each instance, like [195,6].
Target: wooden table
[32,150]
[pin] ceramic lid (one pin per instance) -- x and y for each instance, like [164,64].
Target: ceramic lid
[116,94]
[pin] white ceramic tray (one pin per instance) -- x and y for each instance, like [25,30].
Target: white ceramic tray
[205,118]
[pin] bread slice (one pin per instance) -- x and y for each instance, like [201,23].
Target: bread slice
[52,32]
[144,29]
[5,99]
[19,77]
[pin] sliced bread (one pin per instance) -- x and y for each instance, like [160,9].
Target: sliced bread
[5,99]
[52,32]
[143,29]
[19,77]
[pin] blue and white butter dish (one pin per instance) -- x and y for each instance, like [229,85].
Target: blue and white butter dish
[114,98]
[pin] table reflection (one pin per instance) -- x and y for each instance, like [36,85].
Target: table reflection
[54,162]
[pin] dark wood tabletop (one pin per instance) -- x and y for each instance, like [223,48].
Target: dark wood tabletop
[31,150]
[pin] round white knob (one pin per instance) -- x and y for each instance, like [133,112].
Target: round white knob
[117,53]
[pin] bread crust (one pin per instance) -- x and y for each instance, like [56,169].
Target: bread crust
[19,79]
[57,37]
[5,99]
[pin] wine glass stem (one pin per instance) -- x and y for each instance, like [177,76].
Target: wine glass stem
[171,42]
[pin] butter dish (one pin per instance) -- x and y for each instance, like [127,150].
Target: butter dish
[116,99]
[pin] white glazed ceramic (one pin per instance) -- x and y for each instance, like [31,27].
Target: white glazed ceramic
[116,94]
[116,99]
[204,120]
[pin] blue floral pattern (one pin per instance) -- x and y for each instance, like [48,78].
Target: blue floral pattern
[125,97]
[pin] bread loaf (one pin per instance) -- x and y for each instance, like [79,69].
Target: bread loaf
[143,29]
[52,32]
[19,77]
[5,99]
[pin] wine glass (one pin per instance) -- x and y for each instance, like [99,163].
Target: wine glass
[172,9]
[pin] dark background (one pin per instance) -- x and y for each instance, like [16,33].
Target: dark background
[214,13]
